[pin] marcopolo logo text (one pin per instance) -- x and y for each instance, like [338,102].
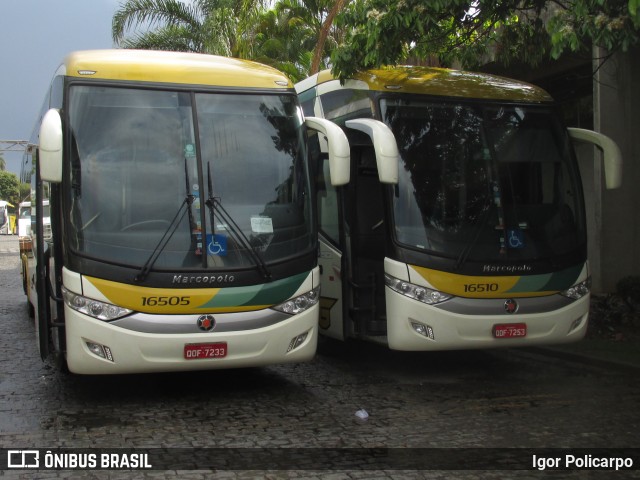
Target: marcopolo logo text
[203,279]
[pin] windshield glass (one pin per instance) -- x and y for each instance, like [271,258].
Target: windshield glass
[141,168]
[484,182]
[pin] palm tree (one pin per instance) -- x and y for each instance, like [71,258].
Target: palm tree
[294,36]
[202,26]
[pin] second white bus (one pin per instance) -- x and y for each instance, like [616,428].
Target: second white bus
[463,224]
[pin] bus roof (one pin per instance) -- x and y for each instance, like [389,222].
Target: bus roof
[172,67]
[438,81]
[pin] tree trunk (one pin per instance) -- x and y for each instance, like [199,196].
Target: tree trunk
[324,33]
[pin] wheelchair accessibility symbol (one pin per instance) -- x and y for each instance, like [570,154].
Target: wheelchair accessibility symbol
[515,238]
[216,245]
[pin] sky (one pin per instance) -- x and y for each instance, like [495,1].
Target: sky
[35,35]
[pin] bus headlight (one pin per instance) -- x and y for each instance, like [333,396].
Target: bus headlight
[579,290]
[300,303]
[93,308]
[422,294]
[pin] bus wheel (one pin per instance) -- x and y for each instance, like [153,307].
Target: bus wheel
[60,362]
[25,285]
[59,350]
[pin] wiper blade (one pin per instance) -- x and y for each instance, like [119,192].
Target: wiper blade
[479,224]
[185,206]
[214,204]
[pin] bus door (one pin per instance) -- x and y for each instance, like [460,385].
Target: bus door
[352,249]
[367,244]
[331,246]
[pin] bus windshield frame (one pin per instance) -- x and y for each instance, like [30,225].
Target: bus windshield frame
[139,154]
[485,182]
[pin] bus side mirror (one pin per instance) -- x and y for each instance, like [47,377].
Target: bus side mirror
[384,144]
[339,150]
[50,154]
[610,150]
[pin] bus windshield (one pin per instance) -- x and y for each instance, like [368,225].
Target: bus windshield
[484,182]
[144,164]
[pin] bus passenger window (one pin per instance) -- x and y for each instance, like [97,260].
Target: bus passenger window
[327,203]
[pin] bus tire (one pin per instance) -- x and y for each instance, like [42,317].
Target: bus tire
[25,284]
[59,353]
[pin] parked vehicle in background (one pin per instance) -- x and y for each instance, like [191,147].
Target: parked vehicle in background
[6,227]
[463,224]
[24,219]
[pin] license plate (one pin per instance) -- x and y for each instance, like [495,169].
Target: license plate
[194,351]
[510,330]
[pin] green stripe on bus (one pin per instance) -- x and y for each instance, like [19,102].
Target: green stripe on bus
[266,294]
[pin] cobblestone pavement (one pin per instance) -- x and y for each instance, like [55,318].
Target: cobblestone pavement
[498,399]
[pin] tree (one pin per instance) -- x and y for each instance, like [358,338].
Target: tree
[295,36]
[3,163]
[324,33]
[9,187]
[203,26]
[385,32]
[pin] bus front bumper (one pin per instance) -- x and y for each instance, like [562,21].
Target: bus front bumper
[140,352]
[412,325]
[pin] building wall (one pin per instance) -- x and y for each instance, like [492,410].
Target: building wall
[616,106]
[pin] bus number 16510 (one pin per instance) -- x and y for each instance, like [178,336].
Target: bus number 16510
[480,287]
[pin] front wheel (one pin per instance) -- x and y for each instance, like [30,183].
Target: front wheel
[59,340]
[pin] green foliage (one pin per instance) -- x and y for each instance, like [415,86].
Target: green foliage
[9,187]
[386,32]
[371,33]
[283,36]
[220,27]
[611,24]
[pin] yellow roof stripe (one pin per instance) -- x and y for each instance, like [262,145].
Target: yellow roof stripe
[446,82]
[173,67]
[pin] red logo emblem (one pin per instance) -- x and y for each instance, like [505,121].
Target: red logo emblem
[511,306]
[206,323]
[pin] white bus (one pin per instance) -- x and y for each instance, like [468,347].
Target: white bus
[5,218]
[24,219]
[182,224]
[467,231]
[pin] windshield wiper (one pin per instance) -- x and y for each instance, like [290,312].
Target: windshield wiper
[185,207]
[478,225]
[214,204]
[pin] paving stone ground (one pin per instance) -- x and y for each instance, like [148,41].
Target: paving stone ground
[496,399]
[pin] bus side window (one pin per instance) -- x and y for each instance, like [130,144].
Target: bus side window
[327,196]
